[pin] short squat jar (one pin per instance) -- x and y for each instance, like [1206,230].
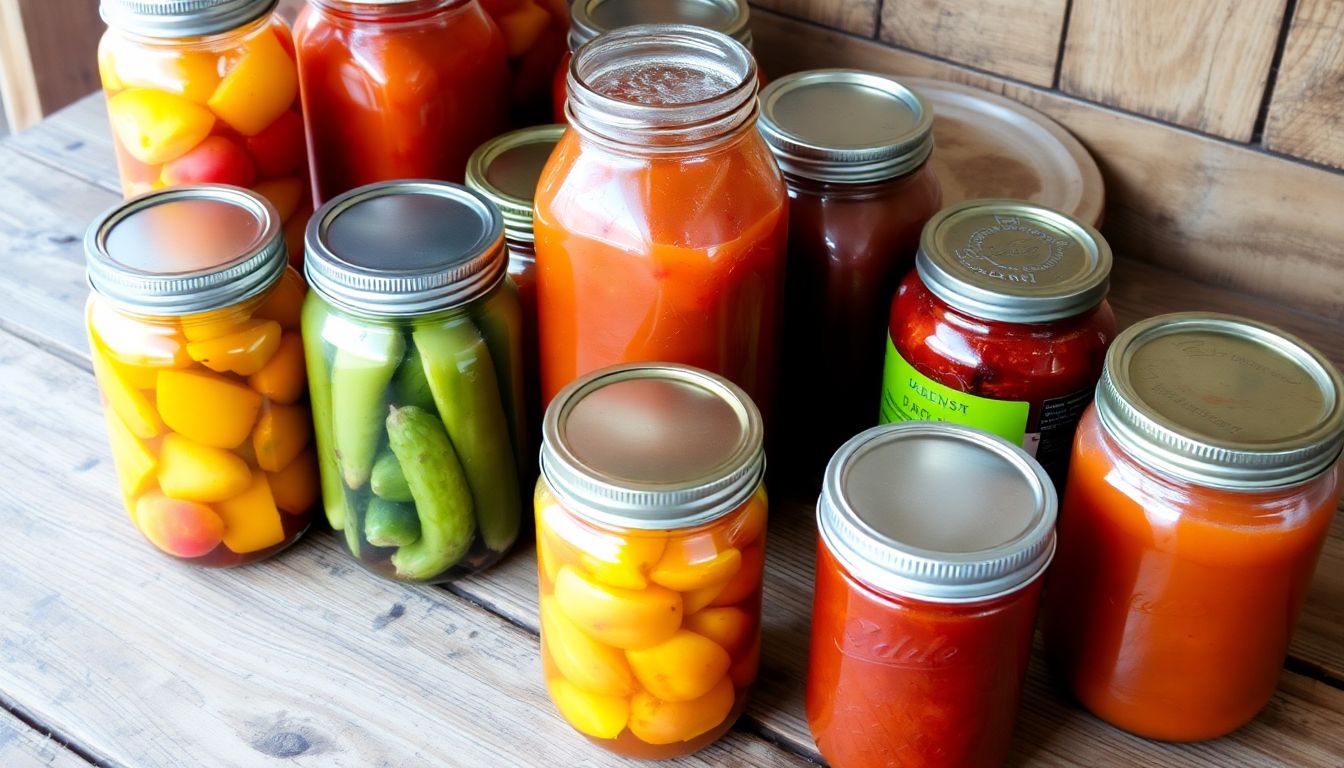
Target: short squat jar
[860,192]
[1003,325]
[194,327]
[650,548]
[1203,484]
[933,539]
[412,334]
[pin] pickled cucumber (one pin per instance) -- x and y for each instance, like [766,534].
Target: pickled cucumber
[319,396]
[360,374]
[443,499]
[462,379]
[501,324]
[387,479]
[409,386]
[390,523]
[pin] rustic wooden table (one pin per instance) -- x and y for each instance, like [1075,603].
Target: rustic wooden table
[113,654]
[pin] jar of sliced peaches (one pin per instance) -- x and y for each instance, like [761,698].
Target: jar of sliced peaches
[651,518]
[193,322]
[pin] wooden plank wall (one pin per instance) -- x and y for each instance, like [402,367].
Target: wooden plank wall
[1218,124]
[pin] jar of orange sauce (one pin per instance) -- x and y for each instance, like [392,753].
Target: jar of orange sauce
[1203,482]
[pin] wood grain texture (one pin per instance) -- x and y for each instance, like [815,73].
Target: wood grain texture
[18,84]
[1224,214]
[63,43]
[1014,38]
[857,17]
[22,746]
[1304,115]
[1202,64]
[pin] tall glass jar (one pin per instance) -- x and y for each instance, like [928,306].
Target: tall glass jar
[661,217]
[398,89]
[1003,325]
[590,18]
[505,170]
[860,192]
[926,596]
[650,550]
[1204,480]
[413,338]
[193,322]
[206,93]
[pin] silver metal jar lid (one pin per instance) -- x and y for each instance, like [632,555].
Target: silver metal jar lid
[937,511]
[590,18]
[505,170]
[405,248]
[181,18]
[653,446]
[1013,261]
[845,126]
[185,250]
[1222,401]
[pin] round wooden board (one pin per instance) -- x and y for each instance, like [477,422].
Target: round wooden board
[987,145]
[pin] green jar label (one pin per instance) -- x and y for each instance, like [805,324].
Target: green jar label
[908,395]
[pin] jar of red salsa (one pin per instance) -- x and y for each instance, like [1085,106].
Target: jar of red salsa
[1003,325]
[397,89]
[1203,484]
[661,216]
[860,191]
[932,542]
[590,18]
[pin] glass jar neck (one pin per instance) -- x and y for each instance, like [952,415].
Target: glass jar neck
[858,190]
[209,40]
[384,11]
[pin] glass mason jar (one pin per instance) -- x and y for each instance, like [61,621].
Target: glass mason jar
[206,93]
[650,550]
[505,170]
[590,18]
[398,89]
[926,596]
[193,325]
[414,360]
[860,192]
[1203,484]
[535,34]
[661,216]
[1003,325]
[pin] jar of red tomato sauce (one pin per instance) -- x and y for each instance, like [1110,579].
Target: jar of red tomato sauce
[398,89]
[505,170]
[860,191]
[661,217]
[1003,325]
[590,18]
[932,542]
[1203,484]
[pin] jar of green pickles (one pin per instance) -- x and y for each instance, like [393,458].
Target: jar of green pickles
[412,334]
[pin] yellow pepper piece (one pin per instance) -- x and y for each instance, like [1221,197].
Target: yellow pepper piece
[132,405]
[138,376]
[135,461]
[695,562]
[107,67]
[553,551]
[251,521]
[683,667]
[155,127]
[602,717]
[285,376]
[747,580]
[212,325]
[284,305]
[654,721]
[696,599]
[588,664]
[625,618]
[282,432]
[243,352]
[728,627]
[623,562]
[749,522]
[196,472]
[258,89]
[206,407]
[295,487]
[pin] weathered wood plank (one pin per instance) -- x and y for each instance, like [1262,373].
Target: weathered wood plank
[1014,38]
[857,17]
[305,660]
[20,745]
[1202,64]
[18,85]
[1304,118]
[1227,215]
[63,42]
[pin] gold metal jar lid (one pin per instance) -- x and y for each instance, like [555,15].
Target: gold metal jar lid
[654,446]
[1013,261]
[505,169]
[590,18]
[1222,401]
